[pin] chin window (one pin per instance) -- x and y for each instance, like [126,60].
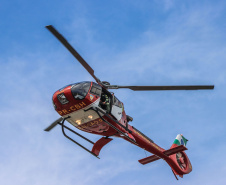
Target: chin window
[62,98]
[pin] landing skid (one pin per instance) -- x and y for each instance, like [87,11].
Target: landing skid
[96,146]
[63,127]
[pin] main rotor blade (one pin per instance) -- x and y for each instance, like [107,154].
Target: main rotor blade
[72,51]
[163,88]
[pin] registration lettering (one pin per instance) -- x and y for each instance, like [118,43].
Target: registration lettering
[72,108]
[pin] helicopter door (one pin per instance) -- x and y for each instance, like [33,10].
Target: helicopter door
[117,108]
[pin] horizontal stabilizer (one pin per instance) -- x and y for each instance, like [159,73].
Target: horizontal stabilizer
[166,152]
[149,159]
[175,150]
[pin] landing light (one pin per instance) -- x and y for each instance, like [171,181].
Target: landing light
[78,122]
[90,117]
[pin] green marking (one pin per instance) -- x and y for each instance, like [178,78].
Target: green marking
[185,140]
[176,142]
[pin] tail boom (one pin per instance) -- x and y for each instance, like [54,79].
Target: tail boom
[175,157]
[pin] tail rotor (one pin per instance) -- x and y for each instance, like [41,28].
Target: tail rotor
[180,158]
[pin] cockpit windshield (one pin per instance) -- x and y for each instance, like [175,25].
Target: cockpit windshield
[65,87]
[80,90]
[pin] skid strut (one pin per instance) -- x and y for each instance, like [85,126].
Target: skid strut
[63,127]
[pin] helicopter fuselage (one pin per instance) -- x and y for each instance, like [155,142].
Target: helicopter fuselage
[77,103]
[75,100]
[90,107]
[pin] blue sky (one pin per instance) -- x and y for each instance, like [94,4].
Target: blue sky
[158,42]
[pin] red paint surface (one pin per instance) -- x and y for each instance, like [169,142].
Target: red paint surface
[141,141]
[99,145]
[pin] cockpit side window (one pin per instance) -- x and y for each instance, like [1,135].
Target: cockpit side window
[96,89]
[117,102]
[80,90]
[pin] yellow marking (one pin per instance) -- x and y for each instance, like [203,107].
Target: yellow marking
[96,122]
[65,111]
[155,146]
[82,104]
[60,92]
[72,108]
[77,106]
[60,112]
[142,136]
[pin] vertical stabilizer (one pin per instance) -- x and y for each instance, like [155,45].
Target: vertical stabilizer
[180,158]
[180,140]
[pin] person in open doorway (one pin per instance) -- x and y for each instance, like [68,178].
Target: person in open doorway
[105,102]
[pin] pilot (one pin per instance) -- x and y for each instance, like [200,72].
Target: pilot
[105,102]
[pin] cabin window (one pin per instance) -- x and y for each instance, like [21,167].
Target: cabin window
[96,89]
[80,90]
[117,102]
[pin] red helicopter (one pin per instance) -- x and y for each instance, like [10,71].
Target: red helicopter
[90,107]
